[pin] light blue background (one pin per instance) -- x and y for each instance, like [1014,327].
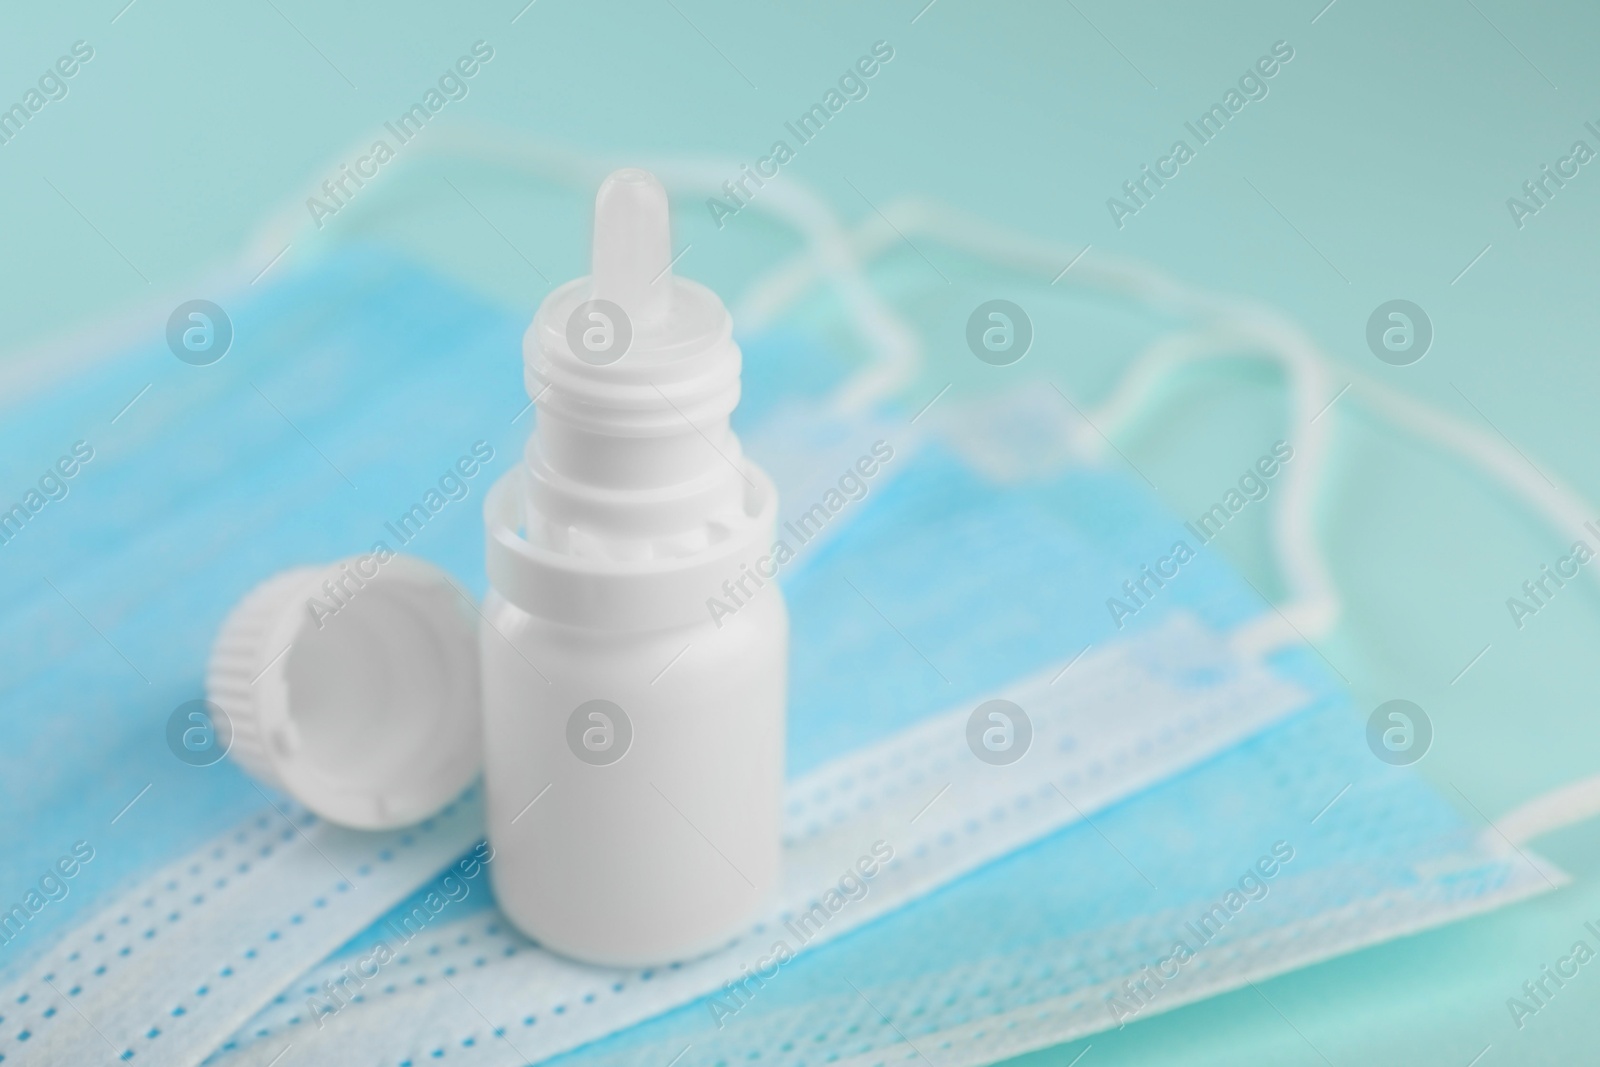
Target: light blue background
[1391,141]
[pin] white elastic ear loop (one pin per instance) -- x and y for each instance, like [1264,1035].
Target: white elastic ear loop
[1571,803]
[1278,337]
[1316,606]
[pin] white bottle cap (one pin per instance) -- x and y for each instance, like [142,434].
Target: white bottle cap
[354,688]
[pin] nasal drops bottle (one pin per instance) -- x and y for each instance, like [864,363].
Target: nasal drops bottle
[634,726]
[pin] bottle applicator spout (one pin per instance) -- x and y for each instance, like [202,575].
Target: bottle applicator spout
[632,257]
[633,369]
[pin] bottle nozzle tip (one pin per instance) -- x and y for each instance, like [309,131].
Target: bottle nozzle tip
[632,256]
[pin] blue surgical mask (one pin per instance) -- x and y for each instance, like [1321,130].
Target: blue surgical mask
[1016,815]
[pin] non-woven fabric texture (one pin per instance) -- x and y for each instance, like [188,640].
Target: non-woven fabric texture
[168,970]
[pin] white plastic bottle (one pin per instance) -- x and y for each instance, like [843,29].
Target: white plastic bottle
[634,727]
